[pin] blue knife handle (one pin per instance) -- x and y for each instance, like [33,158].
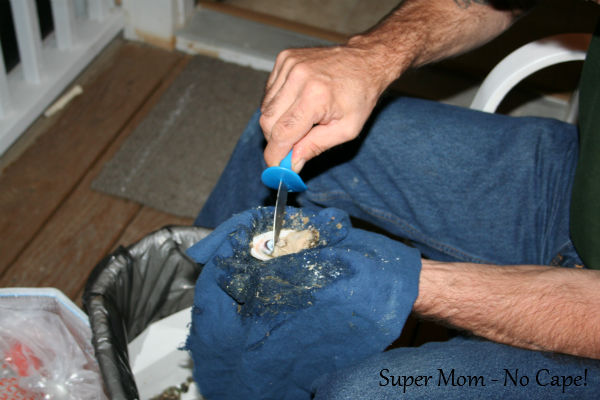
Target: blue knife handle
[287,161]
[273,175]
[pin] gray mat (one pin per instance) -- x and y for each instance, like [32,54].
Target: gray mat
[174,157]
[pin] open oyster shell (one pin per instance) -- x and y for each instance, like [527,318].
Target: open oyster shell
[290,241]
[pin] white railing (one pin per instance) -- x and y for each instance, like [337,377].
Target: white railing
[81,29]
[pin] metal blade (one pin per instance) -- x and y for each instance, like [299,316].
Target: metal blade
[279,211]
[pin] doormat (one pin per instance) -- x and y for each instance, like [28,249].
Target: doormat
[174,157]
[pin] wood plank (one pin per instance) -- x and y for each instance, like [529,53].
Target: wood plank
[35,184]
[42,124]
[86,225]
[147,221]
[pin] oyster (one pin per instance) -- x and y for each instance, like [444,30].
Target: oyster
[290,241]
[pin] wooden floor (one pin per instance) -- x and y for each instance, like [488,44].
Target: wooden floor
[54,227]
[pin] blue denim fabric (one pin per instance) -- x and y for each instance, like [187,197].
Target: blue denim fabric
[462,185]
[268,329]
[507,373]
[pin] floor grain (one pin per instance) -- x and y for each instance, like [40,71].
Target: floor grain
[55,228]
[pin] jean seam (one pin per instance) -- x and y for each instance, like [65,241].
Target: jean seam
[558,258]
[394,220]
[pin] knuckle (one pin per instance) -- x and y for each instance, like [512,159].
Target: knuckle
[280,129]
[315,148]
[282,57]
[294,118]
[265,127]
[346,135]
[269,157]
[300,71]
[269,84]
[290,122]
[284,54]
[316,89]
[266,110]
[262,120]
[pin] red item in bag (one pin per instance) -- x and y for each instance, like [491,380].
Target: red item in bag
[20,358]
[10,390]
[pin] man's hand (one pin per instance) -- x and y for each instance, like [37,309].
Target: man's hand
[320,97]
[317,98]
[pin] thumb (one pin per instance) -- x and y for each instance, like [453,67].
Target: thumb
[319,139]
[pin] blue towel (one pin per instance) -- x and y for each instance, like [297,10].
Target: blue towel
[268,329]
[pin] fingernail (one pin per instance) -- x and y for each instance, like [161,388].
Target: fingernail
[297,166]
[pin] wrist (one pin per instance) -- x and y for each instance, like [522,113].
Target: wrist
[442,292]
[427,287]
[384,63]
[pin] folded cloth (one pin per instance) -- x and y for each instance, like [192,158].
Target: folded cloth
[268,329]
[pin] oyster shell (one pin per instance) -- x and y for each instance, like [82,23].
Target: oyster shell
[290,241]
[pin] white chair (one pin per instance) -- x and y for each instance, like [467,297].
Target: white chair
[527,60]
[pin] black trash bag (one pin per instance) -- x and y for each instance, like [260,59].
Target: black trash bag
[130,289]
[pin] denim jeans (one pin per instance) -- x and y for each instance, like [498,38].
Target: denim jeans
[464,368]
[461,185]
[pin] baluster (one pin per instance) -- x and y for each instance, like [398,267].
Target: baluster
[97,9]
[81,9]
[29,40]
[4,94]
[63,13]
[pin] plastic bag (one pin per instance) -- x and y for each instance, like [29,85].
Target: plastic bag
[41,359]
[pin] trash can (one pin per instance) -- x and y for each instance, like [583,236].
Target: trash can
[133,287]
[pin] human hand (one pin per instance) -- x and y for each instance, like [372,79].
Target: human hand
[317,98]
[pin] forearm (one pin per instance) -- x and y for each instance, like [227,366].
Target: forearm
[424,31]
[535,307]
